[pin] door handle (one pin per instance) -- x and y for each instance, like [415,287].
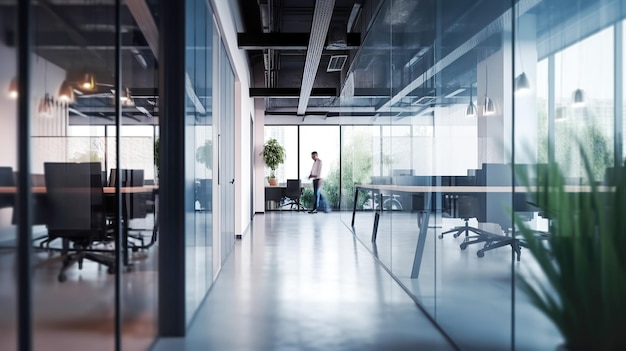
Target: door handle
[232,181]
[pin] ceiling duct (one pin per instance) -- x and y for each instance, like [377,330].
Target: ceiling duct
[319,28]
[336,63]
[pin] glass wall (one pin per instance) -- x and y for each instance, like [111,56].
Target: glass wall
[324,140]
[8,163]
[473,108]
[227,155]
[287,137]
[76,143]
[199,155]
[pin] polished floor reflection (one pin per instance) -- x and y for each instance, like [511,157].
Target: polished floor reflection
[78,314]
[302,282]
[469,296]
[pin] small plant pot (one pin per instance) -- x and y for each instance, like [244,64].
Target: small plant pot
[273,181]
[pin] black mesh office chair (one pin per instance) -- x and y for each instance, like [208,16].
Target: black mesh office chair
[293,192]
[76,212]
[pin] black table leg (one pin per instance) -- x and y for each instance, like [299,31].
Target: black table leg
[356,196]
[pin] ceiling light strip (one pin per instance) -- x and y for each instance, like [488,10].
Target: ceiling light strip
[319,28]
[497,26]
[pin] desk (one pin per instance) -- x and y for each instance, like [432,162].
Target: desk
[277,193]
[108,191]
[427,191]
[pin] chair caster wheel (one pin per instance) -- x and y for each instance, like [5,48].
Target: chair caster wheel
[456,235]
[111,270]
[463,246]
[480,253]
[135,249]
[440,236]
[61,278]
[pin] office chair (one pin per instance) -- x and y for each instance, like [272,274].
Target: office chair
[467,207]
[7,179]
[138,205]
[76,213]
[293,192]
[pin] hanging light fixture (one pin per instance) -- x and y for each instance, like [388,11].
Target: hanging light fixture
[66,92]
[521,83]
[471,108]
[578,99]
[46,106]
[13,88]
[126,98]
[488,107]
[88,82]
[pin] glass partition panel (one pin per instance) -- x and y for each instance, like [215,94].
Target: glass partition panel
[73,280]
[136,136]
[8,164]
[325,141]
[367,153]
[199,152]
[572,81]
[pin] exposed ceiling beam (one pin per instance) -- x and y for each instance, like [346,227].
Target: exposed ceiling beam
[142,15]
[290,92]
[71,29]
[319,29]
[290,41]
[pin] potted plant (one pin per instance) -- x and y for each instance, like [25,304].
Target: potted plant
[581,286]
[273,155]
[204,154]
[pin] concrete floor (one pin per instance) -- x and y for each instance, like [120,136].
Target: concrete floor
[302,282]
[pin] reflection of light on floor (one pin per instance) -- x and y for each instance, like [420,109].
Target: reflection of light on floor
[78,314]
[470,297]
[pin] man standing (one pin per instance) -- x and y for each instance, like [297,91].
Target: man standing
[316,175]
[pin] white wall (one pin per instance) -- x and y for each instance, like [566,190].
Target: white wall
[48,77]
[227,19]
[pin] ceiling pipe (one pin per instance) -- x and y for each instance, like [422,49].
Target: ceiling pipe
[319,28]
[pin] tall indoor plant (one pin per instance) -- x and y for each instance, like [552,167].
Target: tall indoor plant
[582,286]
[273,155]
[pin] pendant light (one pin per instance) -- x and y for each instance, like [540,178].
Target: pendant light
[522,84]
[470,112]
[88,82]
[578,99]
[488,106]
[13,88]
[46,106]
[66,93]
[126,98]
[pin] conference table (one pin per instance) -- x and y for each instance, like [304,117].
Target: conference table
[126,193]
[428,190]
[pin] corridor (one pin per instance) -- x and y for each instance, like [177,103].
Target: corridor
[303,282]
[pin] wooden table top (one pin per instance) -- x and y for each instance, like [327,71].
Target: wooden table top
[106,190]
